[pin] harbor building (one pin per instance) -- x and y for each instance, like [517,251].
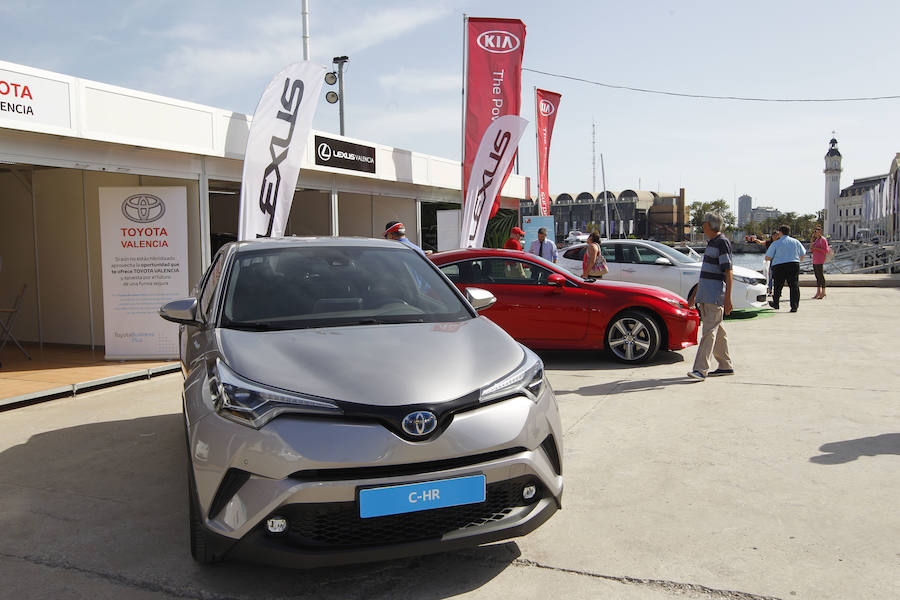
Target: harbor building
[745,206]
[762,213]
[832,172]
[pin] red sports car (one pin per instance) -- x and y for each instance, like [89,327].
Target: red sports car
[545,306]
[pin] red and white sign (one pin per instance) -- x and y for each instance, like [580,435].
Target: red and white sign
[491,164]
[144,252]
[27,98]
[493,83]
[546,105]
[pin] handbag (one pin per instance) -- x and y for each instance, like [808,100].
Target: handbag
[599,267]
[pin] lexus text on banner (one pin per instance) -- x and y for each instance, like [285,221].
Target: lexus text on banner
[546,105]
[144,254]
[278,138]
[492,161]
[493,82]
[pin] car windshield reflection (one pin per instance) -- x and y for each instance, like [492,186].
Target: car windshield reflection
[300,288]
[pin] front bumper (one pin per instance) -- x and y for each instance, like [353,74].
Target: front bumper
[310,471]
[682,328]
[753,296]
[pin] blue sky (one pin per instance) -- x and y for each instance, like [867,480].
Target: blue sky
[403,80]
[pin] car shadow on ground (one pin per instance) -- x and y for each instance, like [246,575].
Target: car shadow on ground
[109,501]
[849,450]
[579,360]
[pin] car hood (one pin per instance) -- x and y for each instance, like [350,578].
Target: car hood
[736,269]
[745,272]
[379,365]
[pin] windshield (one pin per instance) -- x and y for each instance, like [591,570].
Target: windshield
[332,286]
[674,255]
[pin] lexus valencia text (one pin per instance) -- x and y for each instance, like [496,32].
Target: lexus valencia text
[547,307]
[344,402]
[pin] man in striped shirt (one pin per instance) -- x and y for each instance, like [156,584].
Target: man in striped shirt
[712,297]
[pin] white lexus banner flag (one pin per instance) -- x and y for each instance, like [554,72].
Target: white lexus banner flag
[495,153]
[275,149]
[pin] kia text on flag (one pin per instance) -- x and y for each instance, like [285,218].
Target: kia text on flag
[493,82]
[492,161]
[278,138]
[546,104]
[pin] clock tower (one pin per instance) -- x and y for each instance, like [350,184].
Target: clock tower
[832,187]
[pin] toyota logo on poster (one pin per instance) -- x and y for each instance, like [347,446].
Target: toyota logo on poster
[339,154]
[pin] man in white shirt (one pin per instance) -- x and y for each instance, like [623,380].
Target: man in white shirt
[544,247]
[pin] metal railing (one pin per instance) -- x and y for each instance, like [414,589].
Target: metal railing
[857,257]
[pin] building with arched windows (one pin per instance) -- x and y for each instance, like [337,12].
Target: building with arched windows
[630,213]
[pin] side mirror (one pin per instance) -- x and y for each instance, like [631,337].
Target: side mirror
[662,260]
[555,279]
[183,312]
[480,299]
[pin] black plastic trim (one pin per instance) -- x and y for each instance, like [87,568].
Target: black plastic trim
[233,481]
[402,470]
[549,446]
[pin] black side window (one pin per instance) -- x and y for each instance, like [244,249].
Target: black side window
[212,281]
[575,253]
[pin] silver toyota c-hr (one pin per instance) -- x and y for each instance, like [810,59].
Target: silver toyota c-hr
[343,402]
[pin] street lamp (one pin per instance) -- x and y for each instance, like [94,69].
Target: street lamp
[330,78]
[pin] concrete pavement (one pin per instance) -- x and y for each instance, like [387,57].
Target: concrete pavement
[779,482]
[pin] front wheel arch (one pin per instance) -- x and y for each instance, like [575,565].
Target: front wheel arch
[632,336]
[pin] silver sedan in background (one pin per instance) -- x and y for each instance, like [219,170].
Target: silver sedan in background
[344,402]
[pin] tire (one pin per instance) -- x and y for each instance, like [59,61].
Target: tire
[201,544]
[632,337]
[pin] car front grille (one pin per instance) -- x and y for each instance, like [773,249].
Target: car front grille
[339,526]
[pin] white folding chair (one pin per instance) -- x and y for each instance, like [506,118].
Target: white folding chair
[7,323]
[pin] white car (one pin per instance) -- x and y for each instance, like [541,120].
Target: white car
[642,261]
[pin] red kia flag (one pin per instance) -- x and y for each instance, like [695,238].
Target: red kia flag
[493,82]
[546,104]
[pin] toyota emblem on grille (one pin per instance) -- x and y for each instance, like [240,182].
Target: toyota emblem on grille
[419,423]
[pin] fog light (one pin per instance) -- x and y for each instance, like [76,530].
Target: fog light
[276,525]
[528,492]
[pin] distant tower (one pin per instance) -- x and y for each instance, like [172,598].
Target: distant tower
[832,186]
[745,206]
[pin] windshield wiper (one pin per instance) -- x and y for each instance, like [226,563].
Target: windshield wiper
[252,326]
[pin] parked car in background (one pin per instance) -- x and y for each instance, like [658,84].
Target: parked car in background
[574,237]
[547,307]
[652,263]
[344,402]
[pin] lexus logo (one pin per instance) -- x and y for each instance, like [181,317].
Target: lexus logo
[419,423]
[498,42]
[547,108]
[143,208]
[324,151]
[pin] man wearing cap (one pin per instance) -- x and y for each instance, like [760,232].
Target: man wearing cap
[514,243]
[544,247]
[395,230]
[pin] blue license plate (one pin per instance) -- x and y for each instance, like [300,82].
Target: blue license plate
[427,495]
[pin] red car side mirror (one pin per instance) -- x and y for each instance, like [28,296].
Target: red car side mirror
[556,279]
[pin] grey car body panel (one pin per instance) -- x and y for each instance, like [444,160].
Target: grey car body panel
[383,365]
[377,365]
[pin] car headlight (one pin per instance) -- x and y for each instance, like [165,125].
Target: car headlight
[249,403]
[749,280]
[526,379]
[677,303]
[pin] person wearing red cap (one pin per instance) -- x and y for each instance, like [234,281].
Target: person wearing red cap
[514,241]
[395,230]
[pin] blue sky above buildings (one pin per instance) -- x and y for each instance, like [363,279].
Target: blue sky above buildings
[404,76]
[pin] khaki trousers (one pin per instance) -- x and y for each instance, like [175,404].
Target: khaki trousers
[713,340]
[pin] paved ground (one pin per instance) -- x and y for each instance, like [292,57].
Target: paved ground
[782,481]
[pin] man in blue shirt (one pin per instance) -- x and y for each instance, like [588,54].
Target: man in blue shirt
[786,254]
[712,297]
[544,247]
[395,230]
